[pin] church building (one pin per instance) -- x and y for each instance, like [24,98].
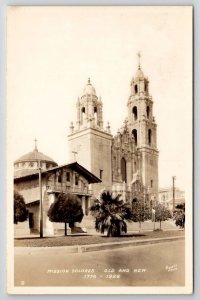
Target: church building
[127,163]
[69,178]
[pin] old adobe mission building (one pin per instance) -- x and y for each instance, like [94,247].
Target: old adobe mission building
[127,162]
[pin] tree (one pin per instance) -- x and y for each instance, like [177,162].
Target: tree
[179,215]
[20,210]
[141,211]
[111,214]
[66,208]
[162,213]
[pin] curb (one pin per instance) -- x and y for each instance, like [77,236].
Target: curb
[92,247]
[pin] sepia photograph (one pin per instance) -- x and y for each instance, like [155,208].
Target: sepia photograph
[99,149]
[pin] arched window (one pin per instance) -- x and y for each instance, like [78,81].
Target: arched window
[95,114]
[123,169]
[134,132]
[145,87]
[136,89]
[149,136]
[82,113]
[134,110]
[148,111]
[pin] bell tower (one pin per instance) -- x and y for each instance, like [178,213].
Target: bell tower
[89,140]
[142,126]
[89,109]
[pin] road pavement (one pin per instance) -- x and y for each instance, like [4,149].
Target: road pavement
[147,265]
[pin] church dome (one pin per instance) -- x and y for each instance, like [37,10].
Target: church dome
[34,156]
[89,89]
[28,163]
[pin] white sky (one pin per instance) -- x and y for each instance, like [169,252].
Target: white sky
[53,50]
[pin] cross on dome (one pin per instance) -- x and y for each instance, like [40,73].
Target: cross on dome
[35,140]
[139,57]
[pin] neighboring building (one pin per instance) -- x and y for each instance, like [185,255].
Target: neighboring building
[166,197]
[54,179]
[130,158]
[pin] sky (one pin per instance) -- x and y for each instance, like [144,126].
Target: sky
[51,52]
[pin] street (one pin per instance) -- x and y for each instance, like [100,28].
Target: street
[148,265]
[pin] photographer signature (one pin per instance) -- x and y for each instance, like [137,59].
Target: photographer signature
[171,268]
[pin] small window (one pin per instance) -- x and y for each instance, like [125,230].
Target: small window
[95,110]
[68,176]
[136,89]
[76,179]
[151,183]
[83,109]
[134,110]
[135,165]
[59,177]
[134,132]
[101,174]
[149,137]
[148,111]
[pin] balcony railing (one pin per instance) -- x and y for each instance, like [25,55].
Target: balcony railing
[58,188]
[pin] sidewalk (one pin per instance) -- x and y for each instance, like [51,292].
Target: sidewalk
[93,247]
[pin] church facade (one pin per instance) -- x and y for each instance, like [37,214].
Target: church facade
[127,162]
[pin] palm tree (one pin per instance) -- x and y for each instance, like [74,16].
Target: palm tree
[110,214]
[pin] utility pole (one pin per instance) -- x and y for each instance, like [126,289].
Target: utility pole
[173,190]
[40,188]
[40,199]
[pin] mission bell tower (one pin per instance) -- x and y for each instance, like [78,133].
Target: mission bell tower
[89,140]
[142,126]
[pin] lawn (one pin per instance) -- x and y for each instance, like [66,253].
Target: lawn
[73,240]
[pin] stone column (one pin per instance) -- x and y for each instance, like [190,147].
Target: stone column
[83,204]
[48,225]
